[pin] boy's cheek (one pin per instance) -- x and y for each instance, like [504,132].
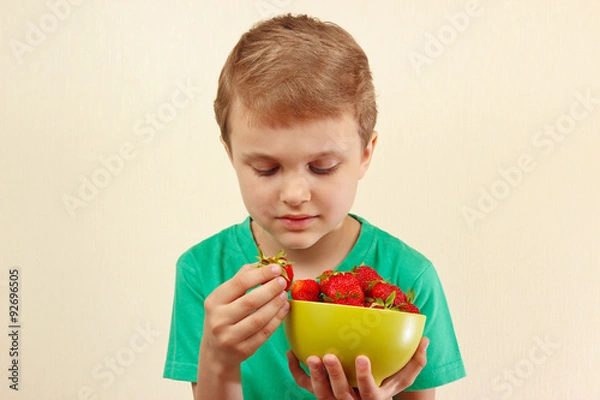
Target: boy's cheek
[258,203]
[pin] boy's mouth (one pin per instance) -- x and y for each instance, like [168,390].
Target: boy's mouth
[292,221]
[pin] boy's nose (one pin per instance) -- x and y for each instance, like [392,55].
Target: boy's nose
[295,191]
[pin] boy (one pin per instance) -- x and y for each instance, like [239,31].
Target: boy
[296,108]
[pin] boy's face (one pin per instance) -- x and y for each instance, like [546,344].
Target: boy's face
[298,183]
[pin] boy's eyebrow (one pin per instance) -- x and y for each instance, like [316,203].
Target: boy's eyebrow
[327,153]
[256,156]
[263,156]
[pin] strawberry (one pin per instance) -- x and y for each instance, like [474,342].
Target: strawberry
[324,278]
[343,288]
[383,290]
[306,289]
[286,267]
[409,307]
[386,295]
[367,277]
[371,303]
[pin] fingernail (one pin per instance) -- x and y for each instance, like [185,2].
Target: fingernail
[312,365]
[361,362]
[426,344]
[284,296]
[329,360]
[276,269]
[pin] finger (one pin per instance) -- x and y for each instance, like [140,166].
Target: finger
[367,387]
[245,343]
[300,376]
[407,375]
[261,303]
[418,360]
[337,377]
[259,326]
[319,378]
[246,278]
[224,318]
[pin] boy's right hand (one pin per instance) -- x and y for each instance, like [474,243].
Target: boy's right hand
[237,323]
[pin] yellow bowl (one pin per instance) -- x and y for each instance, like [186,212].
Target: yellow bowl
[388,338]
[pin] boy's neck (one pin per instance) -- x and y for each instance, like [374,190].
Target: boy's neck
[327,253]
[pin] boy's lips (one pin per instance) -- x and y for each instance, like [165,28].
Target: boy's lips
[296,221]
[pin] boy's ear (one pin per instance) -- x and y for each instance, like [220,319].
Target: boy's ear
[367,154]
[227,149]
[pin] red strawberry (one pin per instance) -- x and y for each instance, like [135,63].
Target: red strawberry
[305,289]
[324,278]
[286,267]
[387,295]
[409,307]
[288,274]
[371,303]
[343,288]
[367,277]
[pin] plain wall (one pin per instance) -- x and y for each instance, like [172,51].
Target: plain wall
[487,163]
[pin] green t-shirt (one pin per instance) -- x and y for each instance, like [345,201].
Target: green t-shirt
[266,374]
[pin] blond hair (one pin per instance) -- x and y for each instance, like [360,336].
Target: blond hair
[292,69]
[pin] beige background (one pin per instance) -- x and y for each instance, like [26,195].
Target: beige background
[97,276]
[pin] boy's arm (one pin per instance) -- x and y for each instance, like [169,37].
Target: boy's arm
[215,379]
[236,323]
[428,394]
[233,393]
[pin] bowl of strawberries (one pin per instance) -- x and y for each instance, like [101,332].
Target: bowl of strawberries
[354,313]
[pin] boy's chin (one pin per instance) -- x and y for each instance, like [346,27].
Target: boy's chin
[303,240]
[295,241]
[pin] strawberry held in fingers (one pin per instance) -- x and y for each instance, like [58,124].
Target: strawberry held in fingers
[286,267]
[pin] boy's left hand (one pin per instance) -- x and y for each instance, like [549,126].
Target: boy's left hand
[327,380]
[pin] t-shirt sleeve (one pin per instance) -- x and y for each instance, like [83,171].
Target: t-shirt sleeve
[444,361]
[187,321]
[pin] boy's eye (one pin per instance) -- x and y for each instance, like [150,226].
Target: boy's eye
[265,171]
[321,170]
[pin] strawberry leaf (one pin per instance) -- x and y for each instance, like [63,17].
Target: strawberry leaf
[410,296]
[389,302]
[328,299]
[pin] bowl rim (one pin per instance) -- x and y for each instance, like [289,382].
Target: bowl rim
[321,303]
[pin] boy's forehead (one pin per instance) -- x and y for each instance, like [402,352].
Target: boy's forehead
[315,139]
[241,118]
